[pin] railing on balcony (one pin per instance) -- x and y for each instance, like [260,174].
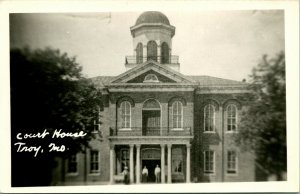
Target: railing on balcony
[162,59]
[163,131]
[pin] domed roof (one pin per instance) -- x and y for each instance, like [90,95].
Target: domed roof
[152,17]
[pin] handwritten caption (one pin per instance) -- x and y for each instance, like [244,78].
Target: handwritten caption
[52,147]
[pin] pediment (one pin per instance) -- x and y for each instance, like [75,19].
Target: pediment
[162,73]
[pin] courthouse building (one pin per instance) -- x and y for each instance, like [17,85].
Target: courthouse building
[154,115]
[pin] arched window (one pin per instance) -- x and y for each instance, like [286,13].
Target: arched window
[139,53]
[209,118]
[164,53]
[231,117]
[125,114]
[151,78]
[177,114]
[152,50]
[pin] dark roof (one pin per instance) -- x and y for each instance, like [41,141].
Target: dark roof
[102,81]
[202,80]
[152,17]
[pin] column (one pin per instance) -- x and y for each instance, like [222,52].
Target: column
[188,163]
[112,162]
[144,52]
[169,163]
[131,163]
[162,165]
[158,54]
[170,56]
[138,166]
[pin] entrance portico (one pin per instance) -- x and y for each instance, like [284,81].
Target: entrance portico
[150,154]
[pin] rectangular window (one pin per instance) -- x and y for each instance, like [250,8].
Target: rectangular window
[96,125]
[177,166]
[124,158]
[94,161]
[125,114]
[209,160]
[231,118]
[72,164]
[96,120]
[231,162]
[177,114]
[209,118]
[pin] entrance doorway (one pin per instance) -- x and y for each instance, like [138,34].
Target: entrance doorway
[150,164]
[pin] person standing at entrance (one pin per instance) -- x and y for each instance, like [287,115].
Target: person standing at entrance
[145,174]
[157,174]
[126,176]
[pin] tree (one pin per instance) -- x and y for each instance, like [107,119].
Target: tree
[49,92]
[263,124]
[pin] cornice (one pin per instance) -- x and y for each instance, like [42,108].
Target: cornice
[227,89]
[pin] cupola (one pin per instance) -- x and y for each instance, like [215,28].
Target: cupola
[152,40]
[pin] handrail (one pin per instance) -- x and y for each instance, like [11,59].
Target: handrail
[162,59]
[151,131]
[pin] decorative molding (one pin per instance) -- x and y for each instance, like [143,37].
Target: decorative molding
[125,98]
[112,146]
[177,98]
[150,65]
[213,102]
[234,101]
[143,140]
[227,89]
[158,89]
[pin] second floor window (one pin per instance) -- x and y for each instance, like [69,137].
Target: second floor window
[125,114]
[177,114]
[231,118]
[96,120]
[209,118]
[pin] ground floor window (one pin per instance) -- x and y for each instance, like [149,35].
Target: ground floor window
[124,158]
[209,160]
[231,162]
[177,166]
[72,164]
[177,160]
[94,161]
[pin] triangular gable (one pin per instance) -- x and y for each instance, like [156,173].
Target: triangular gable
[152,66]
[160,78]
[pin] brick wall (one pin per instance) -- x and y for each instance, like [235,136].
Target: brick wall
[193,116]
[220,142]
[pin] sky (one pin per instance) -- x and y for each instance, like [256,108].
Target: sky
[225,44]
